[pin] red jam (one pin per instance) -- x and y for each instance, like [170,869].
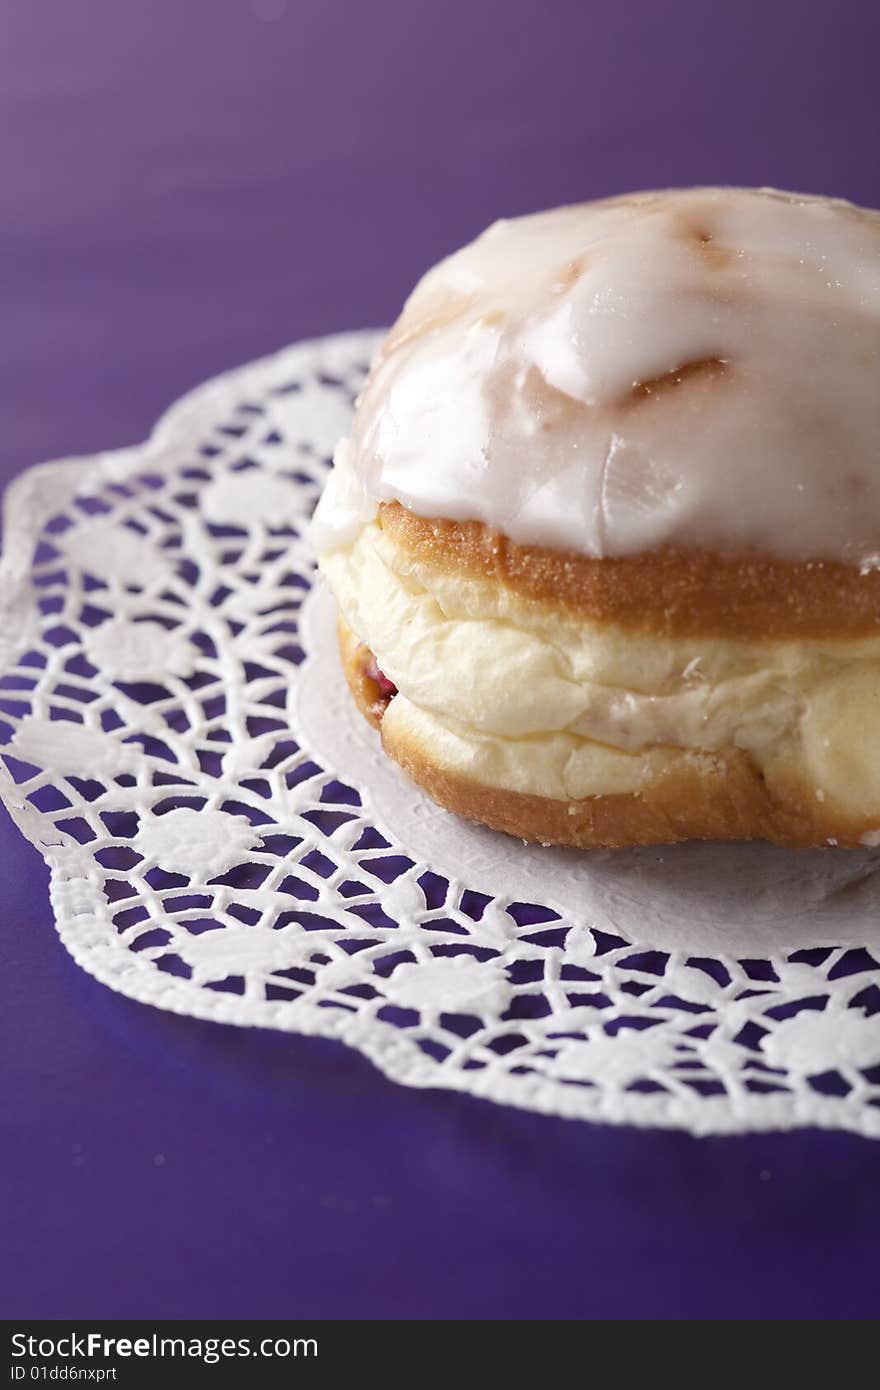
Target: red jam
[387,688]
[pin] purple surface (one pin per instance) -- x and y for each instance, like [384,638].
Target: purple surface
[187,185]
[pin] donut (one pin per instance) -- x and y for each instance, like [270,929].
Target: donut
[604,536]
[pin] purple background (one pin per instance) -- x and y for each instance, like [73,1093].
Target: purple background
[191,183]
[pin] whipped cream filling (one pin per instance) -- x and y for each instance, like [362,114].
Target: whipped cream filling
[530,701]
[695,368]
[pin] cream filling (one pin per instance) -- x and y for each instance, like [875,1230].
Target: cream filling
[564,766]
[523,699]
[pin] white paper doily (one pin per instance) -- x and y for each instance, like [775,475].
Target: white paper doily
[226,839]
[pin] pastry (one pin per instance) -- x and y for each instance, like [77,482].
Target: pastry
[605,534]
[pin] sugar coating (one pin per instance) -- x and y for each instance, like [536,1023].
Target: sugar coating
[695,368]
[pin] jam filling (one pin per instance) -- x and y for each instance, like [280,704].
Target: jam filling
[387,689]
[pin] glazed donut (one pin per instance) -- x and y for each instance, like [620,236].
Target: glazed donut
[605,534]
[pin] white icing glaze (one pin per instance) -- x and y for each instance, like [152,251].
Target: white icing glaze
[695,368]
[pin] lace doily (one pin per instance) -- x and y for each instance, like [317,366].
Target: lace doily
[226,840]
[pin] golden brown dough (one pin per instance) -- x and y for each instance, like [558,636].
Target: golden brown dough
[667,593]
